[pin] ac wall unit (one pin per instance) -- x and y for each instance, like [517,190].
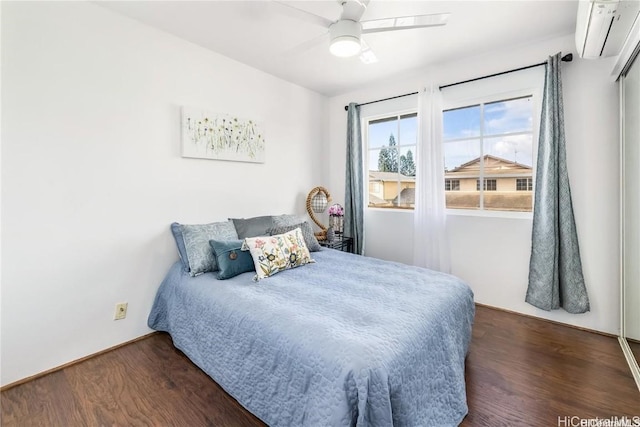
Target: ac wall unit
[602,26]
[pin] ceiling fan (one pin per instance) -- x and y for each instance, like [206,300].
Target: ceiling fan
[345,34]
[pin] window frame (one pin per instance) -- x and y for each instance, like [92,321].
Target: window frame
[364,123]
[523,83]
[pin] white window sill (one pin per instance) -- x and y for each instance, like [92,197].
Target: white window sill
[490,214]
[466,212]
[390,210]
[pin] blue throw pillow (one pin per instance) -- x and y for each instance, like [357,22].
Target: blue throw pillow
[230,259]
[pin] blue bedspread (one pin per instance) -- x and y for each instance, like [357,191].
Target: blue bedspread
[349,340]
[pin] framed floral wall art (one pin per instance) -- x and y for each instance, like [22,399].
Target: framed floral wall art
[207,135]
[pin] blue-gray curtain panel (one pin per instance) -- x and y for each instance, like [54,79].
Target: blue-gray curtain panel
[555,269]
[353,194]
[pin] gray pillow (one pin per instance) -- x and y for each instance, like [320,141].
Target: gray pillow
[252,227]
[196,242]
[307,233]
[286,219]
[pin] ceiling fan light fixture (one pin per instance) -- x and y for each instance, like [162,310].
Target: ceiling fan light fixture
[345,38]
[345,46]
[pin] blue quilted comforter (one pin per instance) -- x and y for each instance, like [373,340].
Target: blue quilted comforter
[346,341]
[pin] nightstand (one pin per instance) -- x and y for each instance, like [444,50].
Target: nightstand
[341,243]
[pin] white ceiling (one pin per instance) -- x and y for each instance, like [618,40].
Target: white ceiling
[259,34]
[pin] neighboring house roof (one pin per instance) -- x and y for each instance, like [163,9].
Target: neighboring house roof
[377,201]
[407,195]
[389,176]
[493,166]
[492,163]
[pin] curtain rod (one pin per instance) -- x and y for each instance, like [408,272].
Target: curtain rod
[567,58]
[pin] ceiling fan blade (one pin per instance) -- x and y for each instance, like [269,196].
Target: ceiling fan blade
[366,54]
[404,23]
[301,14]
[353,9]
[307,45]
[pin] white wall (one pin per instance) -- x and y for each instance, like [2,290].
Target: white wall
[92,174]
[492,254]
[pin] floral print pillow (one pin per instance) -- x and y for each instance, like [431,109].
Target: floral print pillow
[273,254]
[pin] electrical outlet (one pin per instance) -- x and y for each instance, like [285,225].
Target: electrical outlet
[121,311]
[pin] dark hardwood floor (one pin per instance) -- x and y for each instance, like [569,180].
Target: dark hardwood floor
[525,371]
[520,372]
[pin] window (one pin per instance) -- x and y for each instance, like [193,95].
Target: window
[391,146]
[524,184]
[451,185]
[492,143]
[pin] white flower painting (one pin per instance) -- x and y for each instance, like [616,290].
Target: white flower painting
[208,135]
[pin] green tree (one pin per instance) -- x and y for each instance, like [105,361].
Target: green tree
[384,163]
[388,157]
[407,165]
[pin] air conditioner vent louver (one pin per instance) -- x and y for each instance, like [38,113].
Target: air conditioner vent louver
[607,36]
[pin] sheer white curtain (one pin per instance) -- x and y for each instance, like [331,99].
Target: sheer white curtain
[430,245]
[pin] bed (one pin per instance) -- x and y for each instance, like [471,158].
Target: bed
[345,341]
